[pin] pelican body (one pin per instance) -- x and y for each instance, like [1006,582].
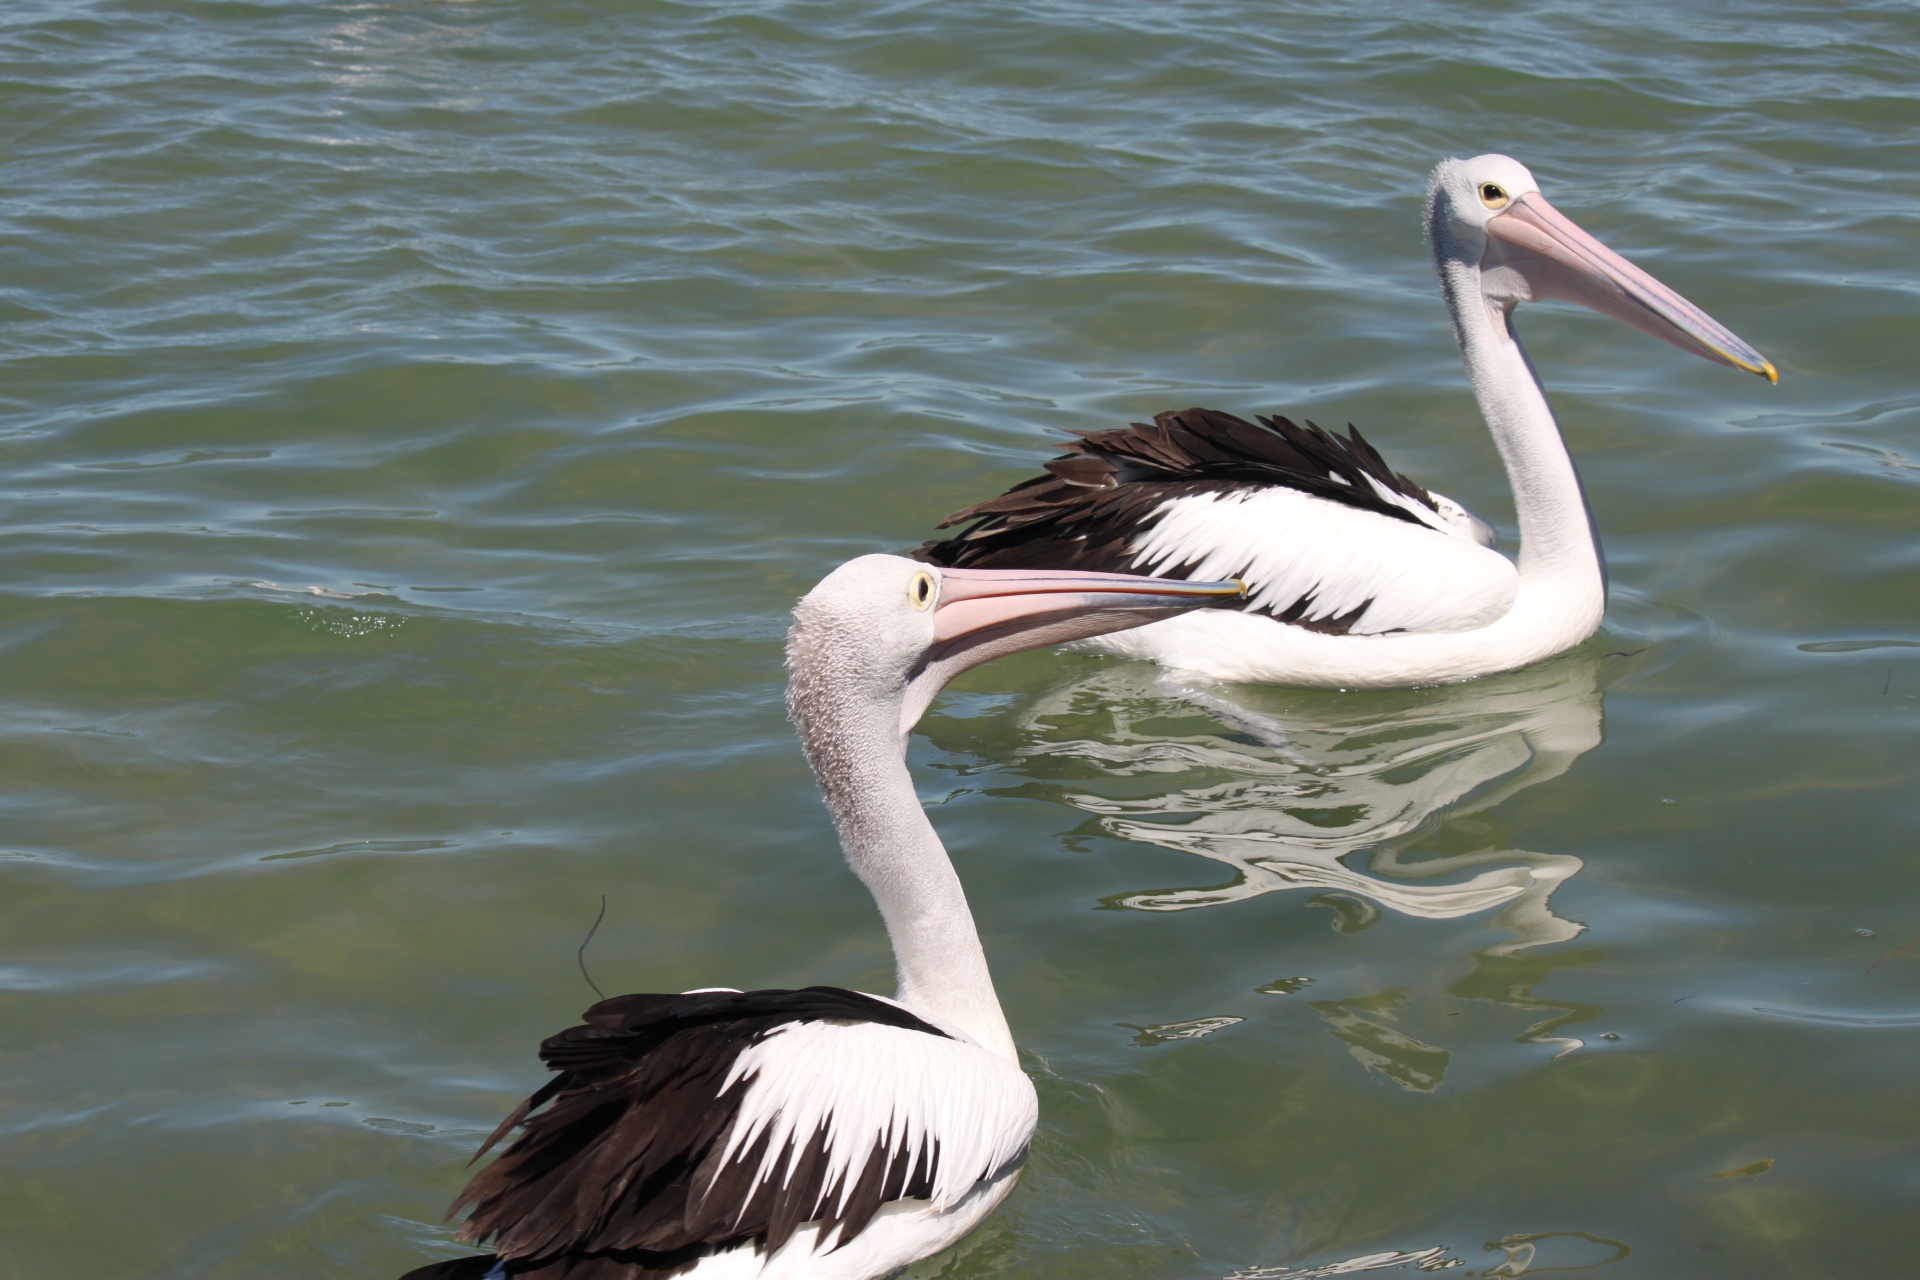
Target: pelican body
[1356,575]
[821,1133]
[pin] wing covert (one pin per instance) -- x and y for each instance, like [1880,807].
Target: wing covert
[1329,567]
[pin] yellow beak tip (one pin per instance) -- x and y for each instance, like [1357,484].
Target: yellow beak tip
[1772,374]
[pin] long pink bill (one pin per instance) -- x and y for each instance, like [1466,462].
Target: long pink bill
[974,600]
[983,614]
[1553,258]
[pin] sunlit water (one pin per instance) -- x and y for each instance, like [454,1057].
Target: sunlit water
[419,418]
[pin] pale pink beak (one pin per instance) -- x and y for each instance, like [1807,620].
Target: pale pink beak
[975,600]
[983,614]
[1536,252]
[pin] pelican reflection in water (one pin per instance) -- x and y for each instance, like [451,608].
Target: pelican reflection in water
[1302,782]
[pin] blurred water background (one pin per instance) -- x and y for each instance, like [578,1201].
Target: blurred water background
[419,418]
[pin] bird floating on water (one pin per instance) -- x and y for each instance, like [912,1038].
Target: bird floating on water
[818,1134]
[1356,576]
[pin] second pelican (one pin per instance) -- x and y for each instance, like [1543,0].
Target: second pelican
[1357,576]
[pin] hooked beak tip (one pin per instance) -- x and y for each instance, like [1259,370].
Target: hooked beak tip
[1765,369]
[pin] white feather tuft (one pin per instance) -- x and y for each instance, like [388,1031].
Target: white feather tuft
[1287,546]
[869,1085]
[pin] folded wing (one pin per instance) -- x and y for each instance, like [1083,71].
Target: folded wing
[682,1125]
[1324,533]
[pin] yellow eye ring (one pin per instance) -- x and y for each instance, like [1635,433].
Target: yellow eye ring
[1493,195]
[920,591]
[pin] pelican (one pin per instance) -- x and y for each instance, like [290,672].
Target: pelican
[1358,577]
[818,1134]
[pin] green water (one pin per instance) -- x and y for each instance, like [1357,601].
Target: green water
[419,417]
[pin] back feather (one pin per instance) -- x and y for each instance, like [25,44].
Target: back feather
[1101,492]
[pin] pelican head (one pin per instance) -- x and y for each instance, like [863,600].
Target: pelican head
[1487,214]
[888,629]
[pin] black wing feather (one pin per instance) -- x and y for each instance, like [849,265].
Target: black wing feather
[1096,496]
[616,1171]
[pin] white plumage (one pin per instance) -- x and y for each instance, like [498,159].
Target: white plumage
[1290,546]
[869,1086]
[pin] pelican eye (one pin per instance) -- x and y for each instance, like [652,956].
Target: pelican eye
[1493,195]
[920,591]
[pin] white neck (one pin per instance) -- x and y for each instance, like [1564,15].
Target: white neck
[857,753]
[1560,562]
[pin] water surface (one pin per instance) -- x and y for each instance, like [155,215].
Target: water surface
[419,417]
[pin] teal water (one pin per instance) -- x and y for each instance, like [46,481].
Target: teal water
[419,417]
